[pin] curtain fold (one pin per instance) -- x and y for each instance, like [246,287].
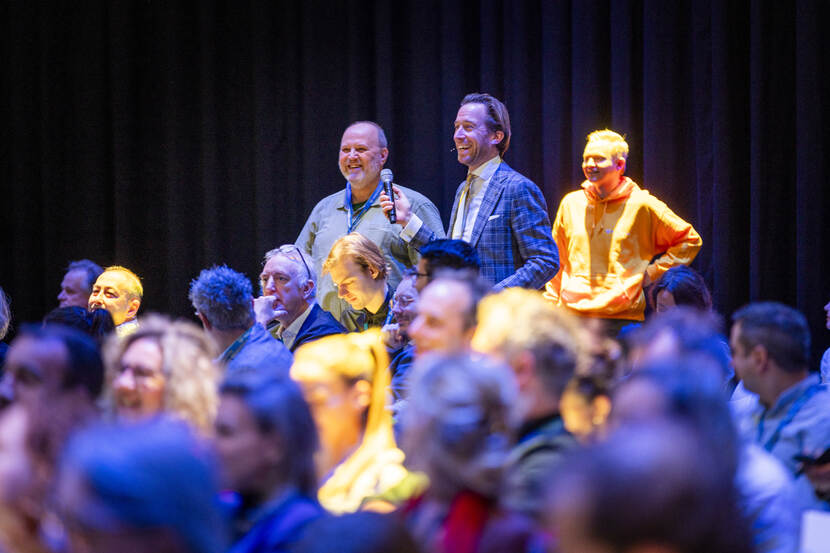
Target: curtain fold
[170,136]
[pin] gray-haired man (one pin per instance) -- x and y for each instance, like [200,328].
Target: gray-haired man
[287,306]
[223,299]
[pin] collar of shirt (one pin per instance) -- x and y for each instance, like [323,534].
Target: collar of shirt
[484,172]
[789,396]
[234,348]
[478,188]
[378,319]
[247,518]
[126,328]
[289,333]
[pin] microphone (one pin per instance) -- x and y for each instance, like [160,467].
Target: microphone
[386,178]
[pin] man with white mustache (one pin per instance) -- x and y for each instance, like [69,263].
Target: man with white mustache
[608,233]
[357,208]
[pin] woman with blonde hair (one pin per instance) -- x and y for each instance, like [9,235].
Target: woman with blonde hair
[164,367]
[345,380]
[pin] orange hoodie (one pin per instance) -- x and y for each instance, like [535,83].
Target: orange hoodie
[606,246]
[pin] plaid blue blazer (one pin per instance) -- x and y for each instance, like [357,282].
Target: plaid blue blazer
[512,232]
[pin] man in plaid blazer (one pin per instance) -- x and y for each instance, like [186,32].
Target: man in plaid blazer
[499,211]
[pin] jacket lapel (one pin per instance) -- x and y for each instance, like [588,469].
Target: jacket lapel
[488,203]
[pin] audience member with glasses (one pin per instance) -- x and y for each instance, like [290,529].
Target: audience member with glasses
[288,306]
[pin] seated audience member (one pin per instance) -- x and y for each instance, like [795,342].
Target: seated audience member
[345,381]
[265,439]
[445,254]
[824,368]
[684,330]
[681,285]
[359,272]
[645,488]
[404,307]
[148,487]
[458,427]
[542,346]
[119,291]
[224,300]
[678,331]
[687,389]
[585,406]
[5,321]
[446,319]
[77,283]
[287,306]
[44,363]
[97,324]
[164,367]
[363,532]
[771,351]
[55,374]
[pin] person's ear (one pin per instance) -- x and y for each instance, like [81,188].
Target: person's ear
[374,273]
[384,153]
[307,289]
[524,366]
[132,308]
[498,136]
[272,449]
[205,322]
[759,357]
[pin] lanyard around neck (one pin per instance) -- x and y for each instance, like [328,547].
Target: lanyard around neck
[788,418]
[354,218]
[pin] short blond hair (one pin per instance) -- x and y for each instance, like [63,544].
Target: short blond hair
[135,289]
[517,320]
[361,250]
[619,147]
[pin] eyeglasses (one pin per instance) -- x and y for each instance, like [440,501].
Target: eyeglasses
[291,251]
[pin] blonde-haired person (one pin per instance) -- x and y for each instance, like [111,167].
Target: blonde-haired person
[345,380]
[119,291]
[360,274]
[544,346]
[164,367]
[608,233]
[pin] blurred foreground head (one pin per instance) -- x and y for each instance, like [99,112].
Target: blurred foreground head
[165,366]
[644,490]
[345,380]
[140,488]
[45,363]
[459,422]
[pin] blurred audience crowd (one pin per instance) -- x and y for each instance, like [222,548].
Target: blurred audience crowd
[421,404]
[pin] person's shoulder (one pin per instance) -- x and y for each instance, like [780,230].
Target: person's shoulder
[330,201]
[414,196]
[510,175]
[513,182]
[577,195]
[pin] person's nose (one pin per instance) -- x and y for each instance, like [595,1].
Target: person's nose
[125,380]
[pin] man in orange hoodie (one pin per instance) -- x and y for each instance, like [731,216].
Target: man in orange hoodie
[607,235]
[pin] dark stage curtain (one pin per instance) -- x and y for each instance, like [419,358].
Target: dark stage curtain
[170,136]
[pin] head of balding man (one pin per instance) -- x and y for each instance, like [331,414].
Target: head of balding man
[363,152]
[119,291]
